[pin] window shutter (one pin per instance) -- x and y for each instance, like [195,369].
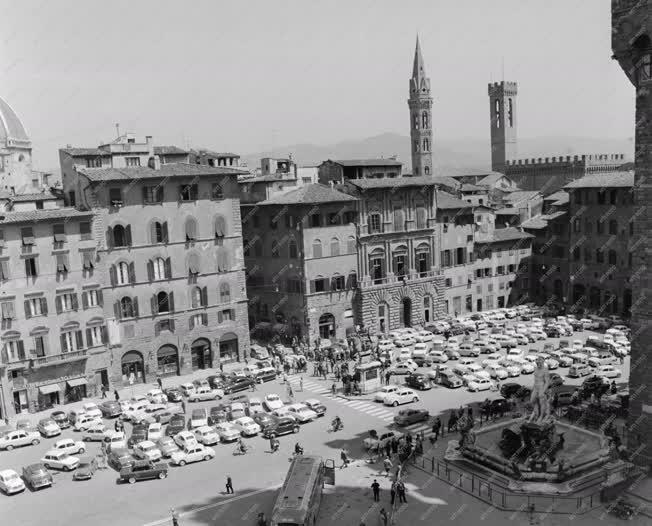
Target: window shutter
[79,336]
[117,310]
[154,303]
[204,297]
[132,273]
[105,336]
[144,189]
[150,270]
[171,301]
[220,227]
[44,306]
[109,237]
[219,317]
[191,322]
[4,270]
[100,298]
[62,338]
[204,319]
[134,303]
[191,229]
[28,311]
[312,285]
[164,229]
[159,193]
[57,303]
[168,268]
[84,300]
[89,337]
[128,235]
[75,303]
[113,275]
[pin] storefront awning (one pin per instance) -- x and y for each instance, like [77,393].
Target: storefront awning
[48,389]
[77,382]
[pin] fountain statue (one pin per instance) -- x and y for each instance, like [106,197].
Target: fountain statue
[539,397]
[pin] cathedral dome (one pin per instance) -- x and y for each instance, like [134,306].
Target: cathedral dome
[11,128]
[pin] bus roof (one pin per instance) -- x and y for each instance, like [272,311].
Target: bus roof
[294,497]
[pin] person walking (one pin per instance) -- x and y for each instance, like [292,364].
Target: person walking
[301,384]
[117,396]
[345,460]
[262,521]
[387,464]
[229,485]
[183,406]
[175,517]
[400,488]
[376,489]
[384,519]
[436,427]
[103,391]
[392,493]
[159,382]
[388,449]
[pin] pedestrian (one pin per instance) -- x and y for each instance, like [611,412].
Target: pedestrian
[117,396]
[285,378]
[388,375]
[400,488]
[183,406]
[436,427]
[253,385]
[394,445]
[262,521]
[345,460]
[301,384]
[387,464]
[376,489]
[392,493]
[229,484]
[159,382]
[221,367]
[175,517]
[383,517]
[103,388]
[333,389]
[388,449]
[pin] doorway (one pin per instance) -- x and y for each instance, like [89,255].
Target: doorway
[406,312]
[20,402]
[200,355]
[102,378]
[478,305]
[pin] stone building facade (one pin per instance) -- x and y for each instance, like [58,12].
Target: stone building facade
[632,48]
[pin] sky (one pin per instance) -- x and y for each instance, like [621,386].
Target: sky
[249,76]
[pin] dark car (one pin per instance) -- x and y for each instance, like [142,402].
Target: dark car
[238,383]
[552,331]
[411,416]
[499,406]
[418,381]
[110,409]
[556,380]
[174,394]
[510,389]
[86,468]
[36,476]
[61,419]
[217,381]
[593,385]
[217,414]
[280,426]
[143,470]
[263,419]
[176,424]
[138,434]
[120,458]
[166,415]
[563,394]
[449,379]
[264,375]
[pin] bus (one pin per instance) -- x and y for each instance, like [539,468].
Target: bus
[298,500]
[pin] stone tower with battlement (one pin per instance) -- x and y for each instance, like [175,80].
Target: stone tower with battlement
[631,42]
[502,111]
[420,103]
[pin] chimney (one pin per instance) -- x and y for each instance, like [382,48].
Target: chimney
[150,145]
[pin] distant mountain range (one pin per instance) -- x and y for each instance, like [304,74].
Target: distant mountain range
[450,154]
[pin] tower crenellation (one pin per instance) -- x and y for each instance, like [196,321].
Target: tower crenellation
[420,104]
[502,112]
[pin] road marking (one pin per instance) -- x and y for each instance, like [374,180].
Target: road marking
[214,505]
[377,412]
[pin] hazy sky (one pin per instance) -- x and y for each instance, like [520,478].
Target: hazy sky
[246,76]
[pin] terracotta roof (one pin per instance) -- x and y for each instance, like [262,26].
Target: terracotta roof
[85,152]
[536,223]
[393,182]
[604,180]
[491,179]
[520,195]
[446,201]
[564,200]
[555,215]
[42,215]
[166,170]
[270,178]
[507,211]
[40,196]
[468,187]
[509,234]
[309,194]
[367,162]
[557,195]
[169,150]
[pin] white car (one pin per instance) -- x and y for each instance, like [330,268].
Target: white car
[385,345]
[404,341]
[135,409]
[538,334]
[206,435]
[552,363]
[388,389]
[187,388]
[424,336]
[607,371]
[95,433]
[10,482]
[521,339]
[477,371]
[227,432]
[526,367]
[402,396]
[92,409]
[156,396]
[86,421]
[247,426]
[154,431]
[56,459]
[284,413]
[193,453]
[496,371]
[512,370]
[272,402]
[515,353]
[48,428]
[405,367]
[511,313]
[19,438]
[115,440]
[437,356]
[481,384]
[184,438]
[302,413]
[70,446]
[255,406]
[147,450]
[404,355]
[577,346]
[492,359]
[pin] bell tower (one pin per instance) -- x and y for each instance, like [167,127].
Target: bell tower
[502,112]
[420,104]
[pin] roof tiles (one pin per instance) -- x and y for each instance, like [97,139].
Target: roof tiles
[166,170]
[309,194]
[604,180]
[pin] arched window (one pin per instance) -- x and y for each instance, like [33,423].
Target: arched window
[191,229]
[426,170]
[613,258]
[275,246]
[497,112]
[377,266]
[196,298]
[292,249]
[425,121]
[126,307]
[416,146]
[350,245]
[225,293]
[399,220]
[383,317]
[220,228]
[159,232]
[121,236]
[162,302]
[510,113]
[426,145]
[316,248]
[613,227]
[422,260]
[158,269]
[122,273]
[415,124]
[421,217]
[335,247]
[223,260]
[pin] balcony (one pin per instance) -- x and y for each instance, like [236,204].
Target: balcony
[60,358]
[415,277]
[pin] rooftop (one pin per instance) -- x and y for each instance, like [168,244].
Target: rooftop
[271,178]
[536,223]
[394,182]
[166,170]
[309,194]
[85,152]
[169,150]
[212,153]
[520,195]
[40,196]
[604,180]
[491,179]
[367,162]
[41,215]
[556,196]
[507,211]
[468,187]
[509,234]
[446,201]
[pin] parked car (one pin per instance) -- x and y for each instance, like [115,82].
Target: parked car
[449,379]
[206,435]
[166,446]
[239,383]
[481,384]
[192,453]
[375,442]
[184,438]
[227,432]
[509,388]
[92,409]
[579,370]
[608,371]
[187,388]
[379,396]
[411,416]
[19,438]
[115,439]
[174,394]
[272,401]
[594,384]
[204,393]
[86,421]
[95,434]
[237,410]
[176,424]
[48,428]
[265,374]
[36,476]
[316,406]
[61,419]
[110,409]
[70,446]
[157,396]
[10,482]
[120,458]
[302,413]
[138,434]
[402,396]
[56,459]
[403,368]
[86,468]
[198,418]
[143,470]
[418,381]
[217,414]
[164,417]
[280,426]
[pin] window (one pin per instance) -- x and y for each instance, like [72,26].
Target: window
[512,269]
[158,269]
[377,267]
[316,248]
[375,225]
[159,233]
[72,341]
[587,226]
[425,120]
[225,293]
[31,267]
[92,298]
[275,248]
[446,258]
[85,230]
[293,285]
[351,245]
[460,256]
[95,336]
[353,279]
[426,145]
[198,320]
[497,113]
[115,196]
[223,260]
[422,221]
[510,112]
[198,297]
[188,192]
[613,227]
[334,218]
[577,226]
[576,254]
[292,248]
[161,303]
[36,307]
[72,201]
[613,258]
[59,233]
[39,346]
[449,282]
[315,220]
[320,285]
[349,217]
[191,229]
[226,315]
[217,192]
[399,220]
[631,228]
[8,310]
[602,197]
[66,302]
[500,270]
[400,265]
[63,265]
[94,162]
[122,273]
[339,283]
[416,146]
[578,197]
[600,227]
[599,256]
[612,197]
[220,228]
[478,273]
[152,194]
[27,235]
[132,161]
[121,236]
[128,307]
[335,247]
[273,223]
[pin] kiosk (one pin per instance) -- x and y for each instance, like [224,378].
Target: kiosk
[368,377]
